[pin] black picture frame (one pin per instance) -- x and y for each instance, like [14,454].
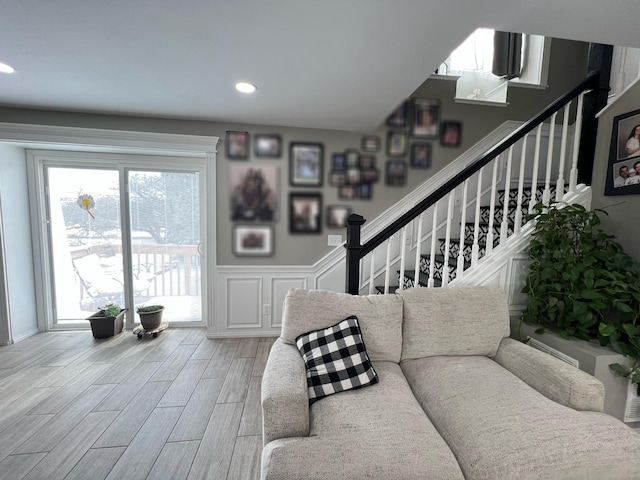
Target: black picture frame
[366,191]
[305,213]
[370,143]
[367,162]
[253,191]
[421,153]
[396,173]
[237,145]
[451,133]
[399,117]
[425,118]
[624,154]
[306,164]
[337,216]
[348,192]
[253,240]
[337,178]
[338,161]
[353,176]
[370,175]
[353,158]
[267,145]
[397,144]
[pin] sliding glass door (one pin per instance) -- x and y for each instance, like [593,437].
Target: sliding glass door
[127,234]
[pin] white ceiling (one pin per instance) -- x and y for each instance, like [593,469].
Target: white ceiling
[336,64]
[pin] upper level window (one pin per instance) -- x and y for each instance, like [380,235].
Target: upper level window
[475,54]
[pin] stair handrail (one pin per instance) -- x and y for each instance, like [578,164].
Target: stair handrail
[356,251]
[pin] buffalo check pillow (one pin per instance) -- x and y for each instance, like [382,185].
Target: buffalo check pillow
[336,359]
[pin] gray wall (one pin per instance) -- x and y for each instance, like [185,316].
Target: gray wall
[621,221]
[567,67]
[17,237]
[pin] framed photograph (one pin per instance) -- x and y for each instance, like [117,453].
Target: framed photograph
[305,164]
[338,161]
[451,135]
[367,162]
[348,192]
[268,145]
[305,210]
[252,240]
[421,155]
[623,173]
[370,143]
[399,117]
[237,145]
[353,158]
[337,216]
[366,191]
[353,176]
[396,173]
[397,143]
[337,178]
[425,118]
[253,192]
[370,175]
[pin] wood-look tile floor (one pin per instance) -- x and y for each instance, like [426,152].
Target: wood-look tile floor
[179,406]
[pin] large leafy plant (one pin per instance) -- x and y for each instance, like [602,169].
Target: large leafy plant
[581,283]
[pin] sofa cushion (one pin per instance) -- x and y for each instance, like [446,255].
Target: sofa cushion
[453,321]
[501,428]
[336,359]
[378,432]
[380,318]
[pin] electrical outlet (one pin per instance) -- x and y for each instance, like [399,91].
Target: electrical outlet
[334,240]
[266,309]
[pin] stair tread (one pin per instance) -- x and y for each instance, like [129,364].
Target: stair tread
[392,288]
[453,262]
[424,278]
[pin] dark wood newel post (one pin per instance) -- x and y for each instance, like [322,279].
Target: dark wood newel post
[354,223]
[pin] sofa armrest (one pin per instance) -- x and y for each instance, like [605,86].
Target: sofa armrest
[285,402]
[553,378]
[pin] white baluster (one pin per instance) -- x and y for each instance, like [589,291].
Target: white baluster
[403,242]
[372,272]
[475,249]
[432,255]
[534,174]
[546,194]
[463,221]
[504,228]
[418,248]
[492,206]
[523,158]
[447,239]
[573,176]
[387,269]
[563,153]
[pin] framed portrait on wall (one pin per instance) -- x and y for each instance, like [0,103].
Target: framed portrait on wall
[396,175]
[268,145]
[253,192]
[337,216]
[623,172]
[370,143]
[421,155]
[305,164]
[397,144]
[451,135]
[305,210]
[425,118]
[237,145]
[252,240]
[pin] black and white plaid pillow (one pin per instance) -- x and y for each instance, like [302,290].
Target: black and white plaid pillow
[336,359]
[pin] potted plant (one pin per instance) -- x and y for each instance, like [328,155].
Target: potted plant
[150,316]
[108,321]
[582,284]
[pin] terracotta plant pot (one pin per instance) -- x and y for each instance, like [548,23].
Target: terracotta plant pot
[151,320]
[105,327]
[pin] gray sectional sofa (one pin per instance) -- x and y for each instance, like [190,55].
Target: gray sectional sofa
[456,398]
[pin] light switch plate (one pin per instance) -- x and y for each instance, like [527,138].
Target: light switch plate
[334,240]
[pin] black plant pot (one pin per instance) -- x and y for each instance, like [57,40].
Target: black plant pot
[105,327]
[151,320]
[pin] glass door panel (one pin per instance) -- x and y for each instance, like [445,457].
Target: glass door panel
[85,241]
[164,212]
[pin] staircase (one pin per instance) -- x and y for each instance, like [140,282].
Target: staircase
[468,240]
[479,214]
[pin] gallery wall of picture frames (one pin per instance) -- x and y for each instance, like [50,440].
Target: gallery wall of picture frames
[255,195]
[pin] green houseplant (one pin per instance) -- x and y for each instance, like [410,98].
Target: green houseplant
[108,321]
[150,316]
[582,284]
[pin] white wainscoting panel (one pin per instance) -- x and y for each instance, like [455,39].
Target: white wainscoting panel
[279,288]
[244,300]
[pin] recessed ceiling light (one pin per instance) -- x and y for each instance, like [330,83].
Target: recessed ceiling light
[4,68]
[246,87]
